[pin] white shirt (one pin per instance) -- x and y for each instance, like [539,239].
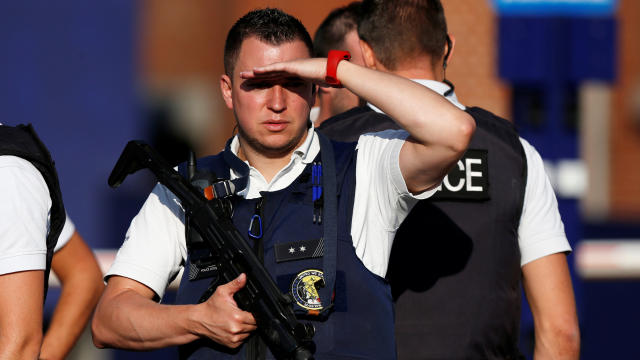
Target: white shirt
[154,249]
[541,231]
[65,235]
[25,207]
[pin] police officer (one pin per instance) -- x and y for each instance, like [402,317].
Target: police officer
[493,224]
[338,31]
[29,191]
[32,218]
[268,83]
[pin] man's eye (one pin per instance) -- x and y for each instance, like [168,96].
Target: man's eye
[295,84]
[260,85]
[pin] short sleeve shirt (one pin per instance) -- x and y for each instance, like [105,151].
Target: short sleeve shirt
[24,216]
[154,249]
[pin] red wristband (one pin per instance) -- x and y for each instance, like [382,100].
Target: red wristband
[334,57]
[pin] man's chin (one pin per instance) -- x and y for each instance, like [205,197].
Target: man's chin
[277,150]
[274,145]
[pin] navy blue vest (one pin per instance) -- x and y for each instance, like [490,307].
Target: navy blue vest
[361,323]
[352,123]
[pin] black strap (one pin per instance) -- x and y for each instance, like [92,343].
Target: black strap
[330,220]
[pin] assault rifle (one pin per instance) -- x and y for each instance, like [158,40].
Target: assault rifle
[286,337]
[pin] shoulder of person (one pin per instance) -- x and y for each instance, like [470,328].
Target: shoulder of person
[13,167]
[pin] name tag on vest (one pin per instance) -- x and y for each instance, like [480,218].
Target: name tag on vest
[298,250]
[468,180]
[197,273]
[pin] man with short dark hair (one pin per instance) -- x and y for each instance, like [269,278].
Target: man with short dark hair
[338,31]
[493,224]
[269,85]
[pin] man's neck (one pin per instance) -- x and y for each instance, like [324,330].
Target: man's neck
[419,68]
[323,114]
[267,164]
[416,74]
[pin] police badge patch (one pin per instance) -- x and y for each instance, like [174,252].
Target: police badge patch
[304,289]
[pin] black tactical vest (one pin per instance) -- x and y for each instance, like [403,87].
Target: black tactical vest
[349,125]
[455,264]
[22,141]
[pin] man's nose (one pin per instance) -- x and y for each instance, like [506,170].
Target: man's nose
[277,99]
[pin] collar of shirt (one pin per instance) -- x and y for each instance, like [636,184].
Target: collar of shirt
[300,157]
[436,86]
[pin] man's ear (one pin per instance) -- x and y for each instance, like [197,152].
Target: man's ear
[325,90]
[448,50]
[368,55]
[226,89]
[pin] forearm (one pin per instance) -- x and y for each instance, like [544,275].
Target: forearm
[77,301]
[440,132]
[429,117]
[19,346]
[547,285]
[21,315]
[128,320]
[81,281]
[556,343]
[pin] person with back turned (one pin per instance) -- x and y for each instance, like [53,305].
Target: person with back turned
[460,257]
[338,31]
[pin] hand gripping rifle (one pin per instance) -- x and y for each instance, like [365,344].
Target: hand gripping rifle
[277,324]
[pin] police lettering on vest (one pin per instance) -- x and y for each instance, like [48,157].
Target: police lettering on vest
[468,180]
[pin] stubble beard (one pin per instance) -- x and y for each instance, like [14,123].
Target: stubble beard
[268,151]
